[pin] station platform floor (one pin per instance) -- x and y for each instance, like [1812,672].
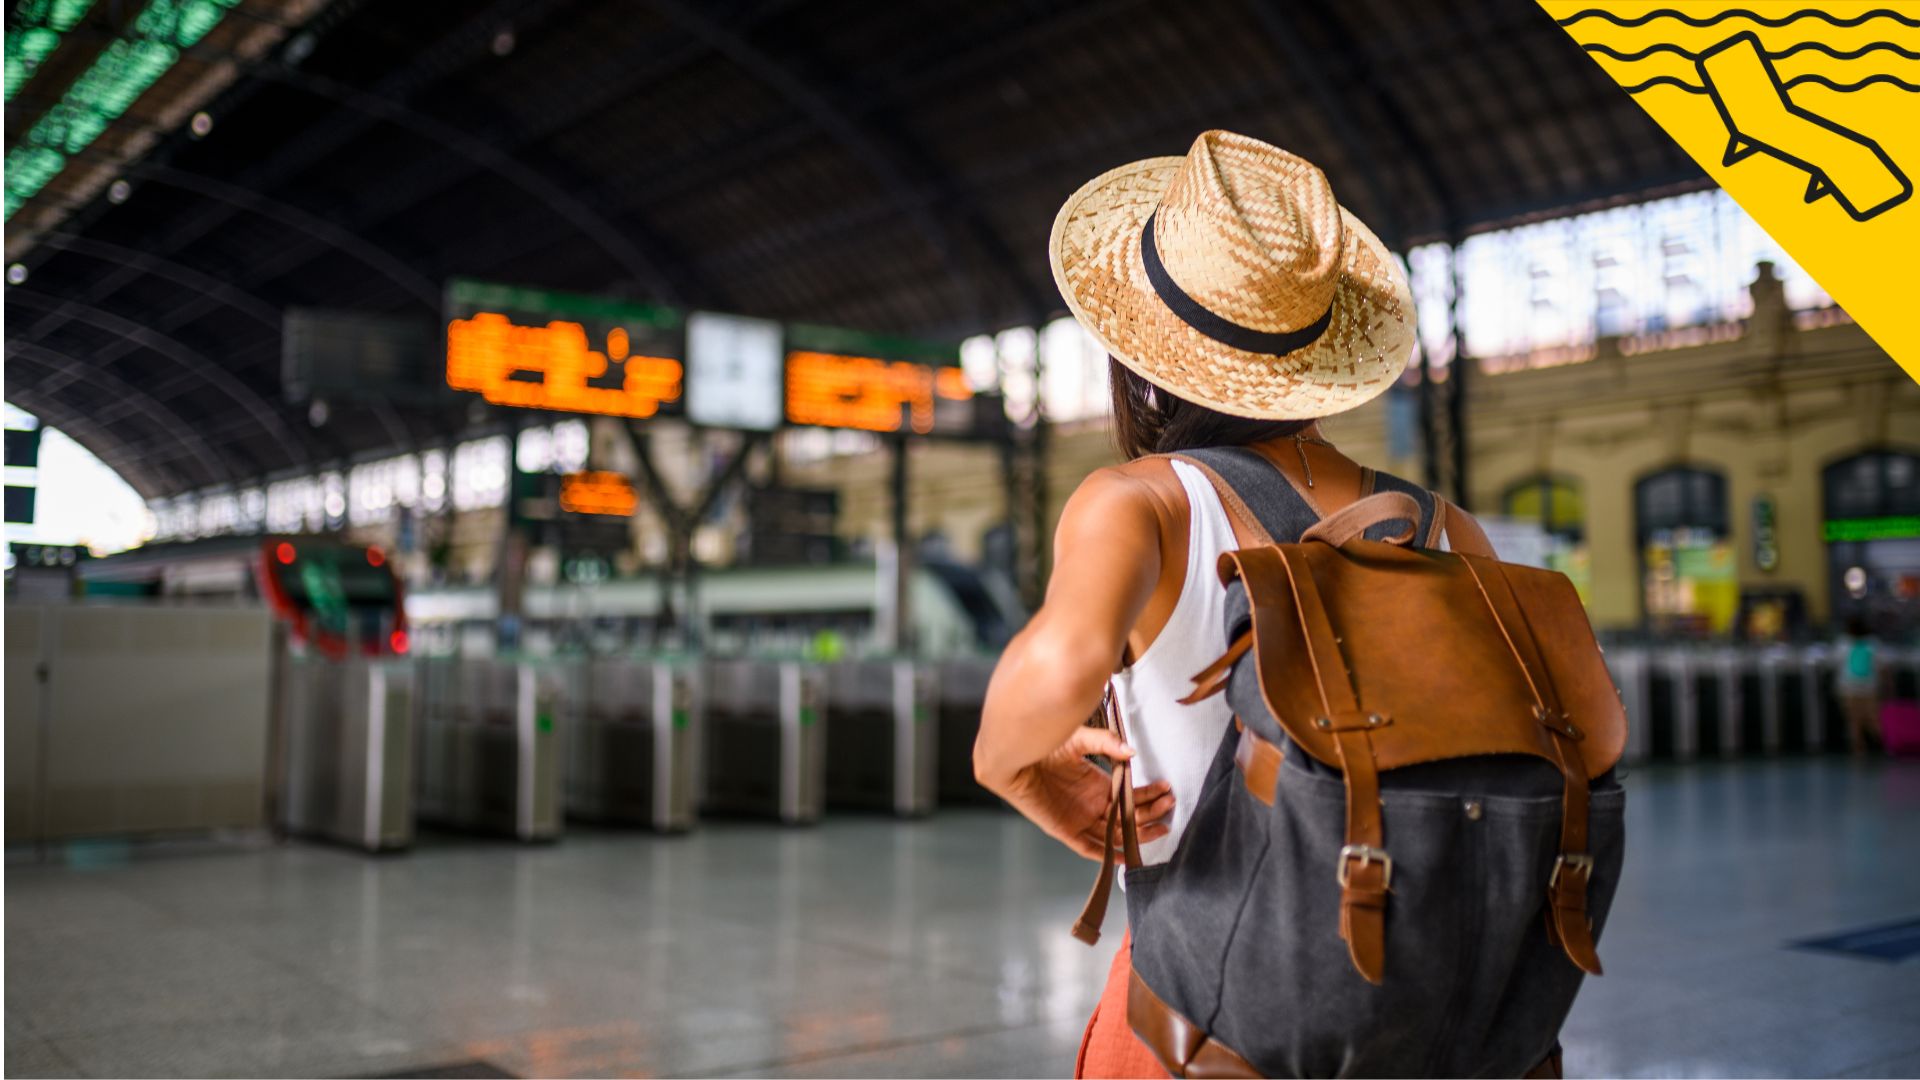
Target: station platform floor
[866,946]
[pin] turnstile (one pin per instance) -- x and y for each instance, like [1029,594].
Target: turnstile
[632,753]
[1903,678]
[765,750]
[489,744]
[1819,712]
[882,748]
[963,694]
[345,751]
[1632,678]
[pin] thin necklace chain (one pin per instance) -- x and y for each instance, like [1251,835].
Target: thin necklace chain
[1300,442]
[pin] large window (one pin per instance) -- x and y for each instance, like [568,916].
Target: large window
[1689,581]
[1555,504]
[1540,294]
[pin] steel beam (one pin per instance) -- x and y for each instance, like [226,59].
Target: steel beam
[269,420]
[594,226]
[178,273]
[326,232]
[136,471]
[214,466]
[881,155]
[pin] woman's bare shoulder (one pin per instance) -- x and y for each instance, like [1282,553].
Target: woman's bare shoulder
[1133,489]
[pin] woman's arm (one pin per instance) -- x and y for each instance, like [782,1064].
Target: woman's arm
[1049,680]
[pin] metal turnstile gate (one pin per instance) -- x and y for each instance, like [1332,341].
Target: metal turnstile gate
[765,748]
[345,761]
[489,744]
[632,754]
[1632,678]
[883,748]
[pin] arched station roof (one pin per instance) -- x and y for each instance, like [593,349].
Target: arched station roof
[890,166]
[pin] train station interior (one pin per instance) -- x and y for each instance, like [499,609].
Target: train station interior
[513,508]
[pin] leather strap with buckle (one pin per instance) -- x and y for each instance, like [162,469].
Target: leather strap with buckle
[1363,888]
[1568,924]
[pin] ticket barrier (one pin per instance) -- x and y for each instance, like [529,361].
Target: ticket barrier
[963,694]
[1903,674]
[1717,676]
[344,763]
[1629,668]
[632,754]
[1672,706]
[1823,727]
[765,747]
[489,744]
[883,746]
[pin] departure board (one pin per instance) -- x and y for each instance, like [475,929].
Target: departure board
[598,492]
[537,349]
[872,382]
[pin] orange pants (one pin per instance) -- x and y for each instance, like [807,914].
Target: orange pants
[1109,1049]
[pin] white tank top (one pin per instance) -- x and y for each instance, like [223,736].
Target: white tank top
[1171,741]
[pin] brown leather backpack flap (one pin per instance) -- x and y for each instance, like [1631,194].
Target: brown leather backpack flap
[1574,662]
[1430,667]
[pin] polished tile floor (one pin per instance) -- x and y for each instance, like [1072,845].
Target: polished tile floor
[868,947]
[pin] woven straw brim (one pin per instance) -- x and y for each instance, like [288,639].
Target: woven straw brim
[1095,250]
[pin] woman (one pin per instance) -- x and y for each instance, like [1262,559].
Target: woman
[1240,303]
[1859,685]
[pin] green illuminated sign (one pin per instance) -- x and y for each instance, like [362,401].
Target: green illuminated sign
[832,339]
[37,26]
[465,296]
[119,75]
[1873,528]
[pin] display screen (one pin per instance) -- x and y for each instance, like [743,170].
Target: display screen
[598,493]
[536,349]
[845,379]
[733,371]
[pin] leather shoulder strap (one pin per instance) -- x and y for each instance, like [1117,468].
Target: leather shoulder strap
[1243,477]
[1424,534]
[1464,535]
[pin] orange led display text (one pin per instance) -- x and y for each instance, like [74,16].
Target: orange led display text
[556,367]
[598,493]
[830,390]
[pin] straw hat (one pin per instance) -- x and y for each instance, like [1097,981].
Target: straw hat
[1233,278]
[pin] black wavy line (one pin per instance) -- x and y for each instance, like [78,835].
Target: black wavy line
[1666,80]
[1883,77]
[1670,80]
[1735,13]
[1878,46]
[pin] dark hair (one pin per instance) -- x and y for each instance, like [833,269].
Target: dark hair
[1148,419]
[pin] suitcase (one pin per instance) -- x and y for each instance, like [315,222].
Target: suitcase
[1900,727]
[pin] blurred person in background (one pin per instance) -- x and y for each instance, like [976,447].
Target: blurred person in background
[1859,684]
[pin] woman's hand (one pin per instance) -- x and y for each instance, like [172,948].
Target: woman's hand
[1067,795]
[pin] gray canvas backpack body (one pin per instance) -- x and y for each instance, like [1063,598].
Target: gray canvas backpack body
[1409,838]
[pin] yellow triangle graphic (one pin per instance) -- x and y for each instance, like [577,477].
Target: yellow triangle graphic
[1808,114]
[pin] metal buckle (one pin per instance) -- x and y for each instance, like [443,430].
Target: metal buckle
[1366,855]
[1582,863]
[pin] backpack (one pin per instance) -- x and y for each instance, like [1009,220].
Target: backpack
[1408,840]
